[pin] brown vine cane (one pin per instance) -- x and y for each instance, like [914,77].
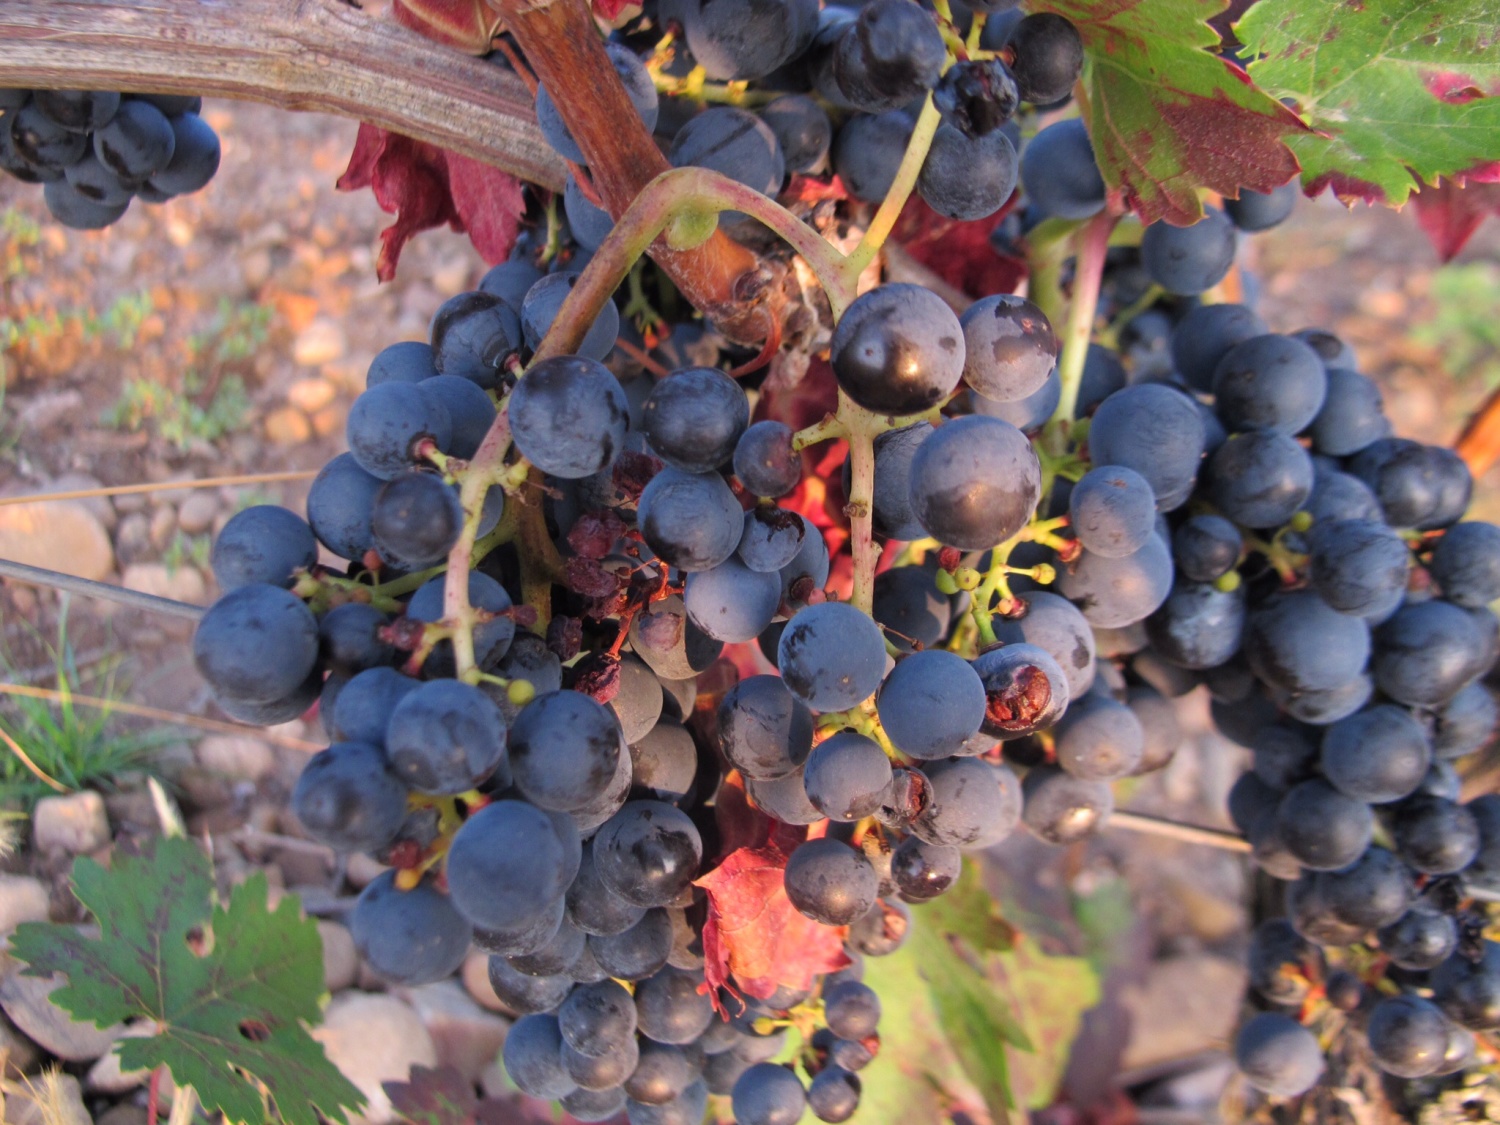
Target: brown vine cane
[561,43]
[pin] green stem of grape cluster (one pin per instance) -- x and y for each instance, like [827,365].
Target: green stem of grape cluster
[681,208]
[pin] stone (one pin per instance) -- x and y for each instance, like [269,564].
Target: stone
[320,342]
[62,533]
[63,1097]
[330,420]
[100,506]
[311,395]
[122,1113]
[183,583]
[340,958]
[22,899]
[106,1077]
[287,425]
[133,537]
[47,409]
[21,1055]
[76,824]
[1183,1003]
[163,527]
[374,1038]
[25,1001]
[466,1036]
[159,472]
[237,757]
[476,977]
[361,870]
[195,515]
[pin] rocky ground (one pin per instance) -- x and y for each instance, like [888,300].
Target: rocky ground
[121,368]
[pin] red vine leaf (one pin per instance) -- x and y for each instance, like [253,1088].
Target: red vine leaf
[609,10]
[755,935]
[959,253]
[425,186]
[1166,115]
[740,823]
[1452,211]
[468,25]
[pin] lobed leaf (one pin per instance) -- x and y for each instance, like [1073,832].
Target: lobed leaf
[1398,92]
[231,989]
[1449,213]
[755,935]
[1166,115]
[425,186]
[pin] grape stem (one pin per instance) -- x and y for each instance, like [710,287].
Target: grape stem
[484,467]
[901,188]
[861,428]
[683,193]
[1093,245]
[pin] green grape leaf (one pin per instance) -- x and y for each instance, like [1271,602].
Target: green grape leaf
[1399,92]
[1166,115]
[231,989]
[1047,996]
[952,938]
[917,1076]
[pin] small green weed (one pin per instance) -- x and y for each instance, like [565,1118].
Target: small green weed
[79,747]
[211,400]
[184,548]
[1463,329]
[174,414]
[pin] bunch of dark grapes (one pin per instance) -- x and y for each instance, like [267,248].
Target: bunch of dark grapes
[93,151]
[1317,576]
[1237,516]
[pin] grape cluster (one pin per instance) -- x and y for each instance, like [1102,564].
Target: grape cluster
[1230,510]
[837,89]
[93,151]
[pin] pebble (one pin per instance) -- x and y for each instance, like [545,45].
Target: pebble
[163,527]
[76,824]
[122,1113]
[100,506]
[466,1036]
[48,409]
[195,515]
[311,395]
[159,472]
[64,1099]
[106,1077]
[133,537]
[340,958]
[25,1000]
[21,1054]
[361,870]
[183,584]
[476,977]
[320,342]
[237,757]
[287,425]
[374,1038]
[330,420]
[22,899]
[128,502]
[1183,1003]
[62,533]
